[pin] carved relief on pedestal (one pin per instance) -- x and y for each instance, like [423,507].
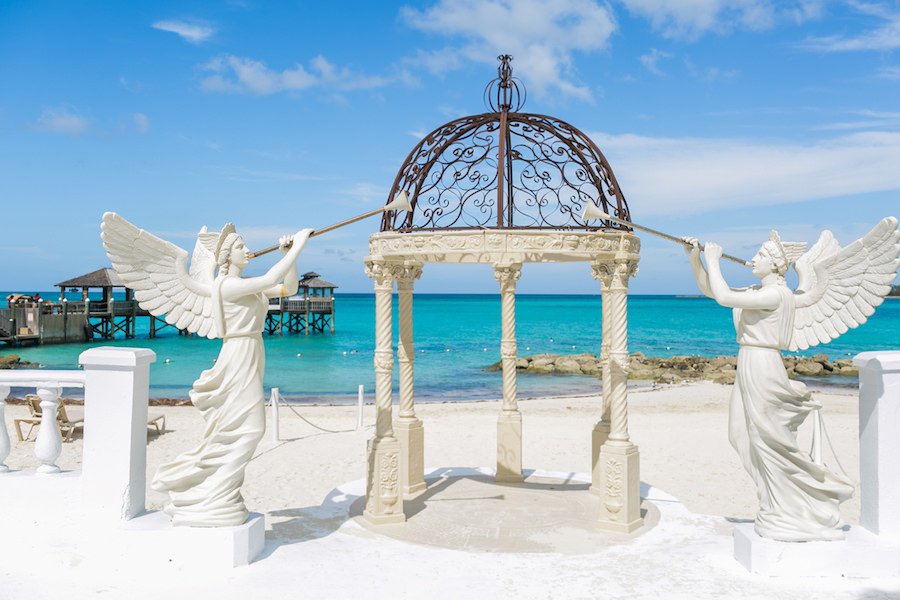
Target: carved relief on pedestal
[613,488]
[508,349]
[389,471]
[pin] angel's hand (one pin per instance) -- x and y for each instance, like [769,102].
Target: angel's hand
[693,250]
[713,251]
[285,242]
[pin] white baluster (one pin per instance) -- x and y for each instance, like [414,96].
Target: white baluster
[48,445]
[4,434]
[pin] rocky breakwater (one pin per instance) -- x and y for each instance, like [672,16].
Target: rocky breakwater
[676,369]
[12,361]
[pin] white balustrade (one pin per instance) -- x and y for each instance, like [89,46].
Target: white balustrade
[116,389]
[48,385]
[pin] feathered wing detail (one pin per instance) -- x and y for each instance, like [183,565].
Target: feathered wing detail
[157,271]
[839,288]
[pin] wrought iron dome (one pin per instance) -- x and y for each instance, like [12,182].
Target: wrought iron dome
[505,170]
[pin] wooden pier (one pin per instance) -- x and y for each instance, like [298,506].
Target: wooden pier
[311,310]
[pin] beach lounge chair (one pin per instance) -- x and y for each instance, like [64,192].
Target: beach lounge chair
[157,420]
[66,420]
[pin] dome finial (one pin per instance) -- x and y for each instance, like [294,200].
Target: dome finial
[506,93]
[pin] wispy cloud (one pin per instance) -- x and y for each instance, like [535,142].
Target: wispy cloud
[692,175]
[885,36]
[191,32]
[61,120]
[141,122]
[542,36]
[690,20]
[889,72]
[651,61]
[246,75]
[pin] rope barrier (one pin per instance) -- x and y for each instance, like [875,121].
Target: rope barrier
[276,396]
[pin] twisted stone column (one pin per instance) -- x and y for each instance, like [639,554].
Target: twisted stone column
[408,428]
[384,503]
[601,272]
[616,475]
[509,423]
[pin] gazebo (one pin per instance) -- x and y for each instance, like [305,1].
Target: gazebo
[502,188]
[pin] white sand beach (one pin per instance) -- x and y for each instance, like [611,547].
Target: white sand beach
[311,545]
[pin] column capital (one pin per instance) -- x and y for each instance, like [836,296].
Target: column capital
[406,274]
[381,272]
[507,275]
[614,274]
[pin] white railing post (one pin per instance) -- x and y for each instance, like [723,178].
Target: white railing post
[48,445]
[879,443]
[360,402]
[116,393]
[4,434]
[273,415]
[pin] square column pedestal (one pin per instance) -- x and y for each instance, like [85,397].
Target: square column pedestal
[384,504]
[509,447]
[620,479]
[411,435]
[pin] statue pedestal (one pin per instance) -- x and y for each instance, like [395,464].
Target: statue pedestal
[411,435]
[509,447]
[152,537]
[860,554]
[620,490]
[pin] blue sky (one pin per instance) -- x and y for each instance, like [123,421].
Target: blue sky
[721,119]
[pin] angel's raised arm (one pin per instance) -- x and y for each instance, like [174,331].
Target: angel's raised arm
[271,282]
[765,298]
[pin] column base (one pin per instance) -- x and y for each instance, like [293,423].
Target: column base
[383,501]
[411,435]
[509,447]
[598,437]
[620,510]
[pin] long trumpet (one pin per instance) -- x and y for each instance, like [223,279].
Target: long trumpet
[592,212]
[401,202]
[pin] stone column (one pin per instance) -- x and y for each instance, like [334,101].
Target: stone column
[879,443]
[509,423]
[384,503]
[618,461]
[408,428]
[601,271]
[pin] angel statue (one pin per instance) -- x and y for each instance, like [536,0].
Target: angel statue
[204,484]
[799,500]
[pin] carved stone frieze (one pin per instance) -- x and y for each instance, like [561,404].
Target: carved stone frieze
[504,246]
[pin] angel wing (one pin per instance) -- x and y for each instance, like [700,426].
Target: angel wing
[839,288]
[157,271]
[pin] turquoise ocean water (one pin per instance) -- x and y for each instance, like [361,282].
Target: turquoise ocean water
[456,336]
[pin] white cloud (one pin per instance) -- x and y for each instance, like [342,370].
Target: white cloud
[889,72]
[141,122]
[651,61]
[60,120]
[192,32]
[542,36]
[690,19]
[235,74]
[693,175]
[885,37]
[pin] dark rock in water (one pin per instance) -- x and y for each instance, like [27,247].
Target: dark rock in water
[12,361]
[674,369]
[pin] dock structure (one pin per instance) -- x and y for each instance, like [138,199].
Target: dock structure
[25,321]
[311,309]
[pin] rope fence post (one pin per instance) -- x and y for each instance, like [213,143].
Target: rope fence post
[273,415]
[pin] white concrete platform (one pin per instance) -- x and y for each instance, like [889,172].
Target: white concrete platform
[323,551]
[859,554]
